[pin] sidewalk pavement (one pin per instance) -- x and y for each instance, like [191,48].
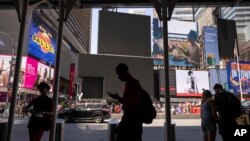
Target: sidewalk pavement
[186,130]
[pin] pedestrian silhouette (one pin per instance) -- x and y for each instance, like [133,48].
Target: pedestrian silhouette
[130,127]
[209,116]
[41,109]
[227,123]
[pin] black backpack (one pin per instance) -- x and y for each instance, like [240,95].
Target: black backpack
[146,109]
[234,107]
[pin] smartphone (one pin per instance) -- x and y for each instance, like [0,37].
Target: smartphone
[110,94]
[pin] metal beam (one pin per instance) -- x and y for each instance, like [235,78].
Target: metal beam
[132,3]
[166,67]
[62,6]
[23,11]
[17,70]
[65,6]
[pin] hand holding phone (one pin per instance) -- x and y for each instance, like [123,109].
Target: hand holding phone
[113,95]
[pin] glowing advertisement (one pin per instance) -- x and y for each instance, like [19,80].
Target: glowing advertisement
[37,72]
[42,41]
[7,69]
[233,77]
[183,47]
[172,82]
[211,46]
[190,83]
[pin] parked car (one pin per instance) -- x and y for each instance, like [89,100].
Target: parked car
[86,111]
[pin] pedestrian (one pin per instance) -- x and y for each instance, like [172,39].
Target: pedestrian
[226,121]
[209,116]
[130,127]
[41,109]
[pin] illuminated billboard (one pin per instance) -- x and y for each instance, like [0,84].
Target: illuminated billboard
[37,72]
[233,77]
[32,72]
[7,72]
[190,83]
[183,47]
[211,46]
[42,41]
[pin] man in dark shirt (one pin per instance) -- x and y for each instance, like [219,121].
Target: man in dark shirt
[227,123]
[130,127]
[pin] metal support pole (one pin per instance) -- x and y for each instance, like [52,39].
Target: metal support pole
[17,70]
[238,68]
[62,4]
[166,66]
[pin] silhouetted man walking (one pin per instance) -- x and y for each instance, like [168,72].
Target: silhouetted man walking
[130,127]
[227,123]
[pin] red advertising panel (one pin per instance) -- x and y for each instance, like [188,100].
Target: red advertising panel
[71,79]
[190,83]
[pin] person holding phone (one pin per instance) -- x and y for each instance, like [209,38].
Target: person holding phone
[130,127]
[42,113]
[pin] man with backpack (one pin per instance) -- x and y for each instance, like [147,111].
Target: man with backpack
[228,107]
[130,127]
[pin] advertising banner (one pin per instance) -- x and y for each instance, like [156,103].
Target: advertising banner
[172,82]
[183,47]
[190,83]
[7,69]
[211,46]
[42,41]
[233,77]
[31,72]
[71,80]
[37,72]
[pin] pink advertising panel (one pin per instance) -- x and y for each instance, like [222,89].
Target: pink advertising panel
[31,72]
[37,72]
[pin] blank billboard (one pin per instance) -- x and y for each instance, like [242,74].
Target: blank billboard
[227,35]
[124,34]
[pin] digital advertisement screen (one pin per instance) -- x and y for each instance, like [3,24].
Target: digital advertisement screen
[7,72]
[37,72]
[190,83]
[172,82]
[233,74]
[42,41]
[211,46]
[184,49]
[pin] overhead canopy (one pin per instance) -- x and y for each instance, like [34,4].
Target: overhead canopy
[125,3]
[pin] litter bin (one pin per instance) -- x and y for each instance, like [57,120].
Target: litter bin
[3,129]
[59,130]
[172,130]
[112,124]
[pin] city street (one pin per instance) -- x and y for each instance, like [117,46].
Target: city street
[186,130]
